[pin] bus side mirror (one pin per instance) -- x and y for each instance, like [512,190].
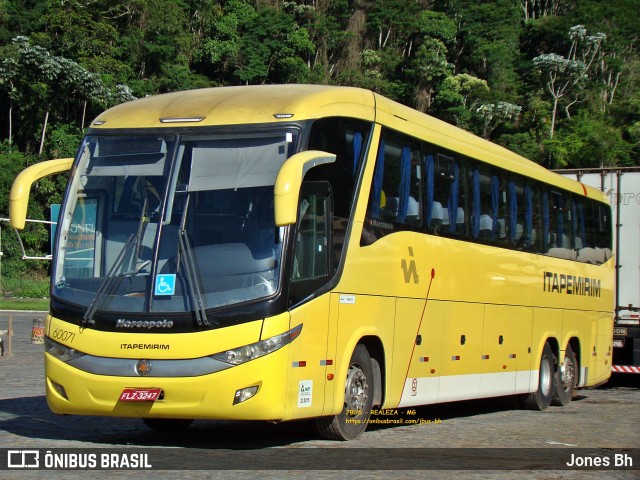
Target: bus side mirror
[289,181]
[19,196]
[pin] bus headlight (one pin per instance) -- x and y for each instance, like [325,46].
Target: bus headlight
[246,353]
[61,352]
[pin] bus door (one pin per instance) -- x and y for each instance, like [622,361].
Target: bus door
[310,270]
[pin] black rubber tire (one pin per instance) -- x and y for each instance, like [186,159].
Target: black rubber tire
[542,397]
[167,424]
[566,379]
[359,388]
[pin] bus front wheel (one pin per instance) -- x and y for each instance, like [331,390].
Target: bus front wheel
[566,379]
[358,399]
[541,398]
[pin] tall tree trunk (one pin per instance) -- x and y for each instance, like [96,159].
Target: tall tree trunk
[10,122]
[44,131]
[84,113]
[554,112]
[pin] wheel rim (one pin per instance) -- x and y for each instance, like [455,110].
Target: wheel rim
[356,390]
[545,376]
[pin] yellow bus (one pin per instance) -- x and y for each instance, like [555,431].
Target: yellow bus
[305,251]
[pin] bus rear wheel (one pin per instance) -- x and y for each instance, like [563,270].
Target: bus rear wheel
[541,398]
[566,379]
[358,399]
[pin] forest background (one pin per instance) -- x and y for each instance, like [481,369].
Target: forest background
[557,81]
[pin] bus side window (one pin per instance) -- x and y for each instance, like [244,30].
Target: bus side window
[522,234]
[559,218]
[603,232]
[312,255]
[484,202]
[396,199]
[446,200]
[584,248]
[346,138]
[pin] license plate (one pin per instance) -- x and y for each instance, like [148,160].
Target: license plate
[619,330]
[133,394]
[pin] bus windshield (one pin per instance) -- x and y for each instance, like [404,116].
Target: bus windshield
[171,223]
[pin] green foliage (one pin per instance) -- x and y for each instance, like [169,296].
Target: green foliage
[523,143]
[594,142]
[63,141]
[19,286]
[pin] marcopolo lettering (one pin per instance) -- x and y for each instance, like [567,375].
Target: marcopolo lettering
[571,284]
[122,323]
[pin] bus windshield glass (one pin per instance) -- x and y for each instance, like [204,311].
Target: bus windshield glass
[171,223]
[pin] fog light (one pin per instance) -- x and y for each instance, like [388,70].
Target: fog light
[59,389]
[244,394]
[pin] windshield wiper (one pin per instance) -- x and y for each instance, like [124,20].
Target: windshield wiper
[185,256]
[105,286]
[132,245]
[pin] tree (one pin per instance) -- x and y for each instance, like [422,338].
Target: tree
[30,72]
[430,66]
[494,115]
[54,76]
[562,75]
[488,43]
[593,141]
[458,98]
[536,9]
[273,49]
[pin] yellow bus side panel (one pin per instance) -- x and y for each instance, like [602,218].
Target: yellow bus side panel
[307,365]
[461,325]
[359,316]
[505,348]
[601,356]
[425,362]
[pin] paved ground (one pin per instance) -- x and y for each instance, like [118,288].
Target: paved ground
[601,422]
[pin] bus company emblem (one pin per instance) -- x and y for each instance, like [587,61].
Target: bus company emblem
[409,269]
[144,367]
[122,323]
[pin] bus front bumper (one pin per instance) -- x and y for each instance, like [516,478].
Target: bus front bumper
[72,391]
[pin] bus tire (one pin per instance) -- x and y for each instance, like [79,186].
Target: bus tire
[358,399]
[566,379]
[541,398]
[167,424]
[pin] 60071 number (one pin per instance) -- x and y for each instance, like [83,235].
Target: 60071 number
[63,335]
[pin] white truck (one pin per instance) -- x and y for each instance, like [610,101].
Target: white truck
[622,185]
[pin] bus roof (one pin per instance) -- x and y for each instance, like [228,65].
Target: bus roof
[285,103]
[239,105]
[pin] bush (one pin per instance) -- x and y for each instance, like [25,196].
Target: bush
[21,287]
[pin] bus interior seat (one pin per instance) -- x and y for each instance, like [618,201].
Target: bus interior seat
[486,227]
[459,219]
[437,216]
[602,254]
[502,229]
[559,252]
[120,231]
[231,259]
[587,255]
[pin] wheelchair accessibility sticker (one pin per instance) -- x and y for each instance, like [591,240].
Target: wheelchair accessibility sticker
[165,284]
